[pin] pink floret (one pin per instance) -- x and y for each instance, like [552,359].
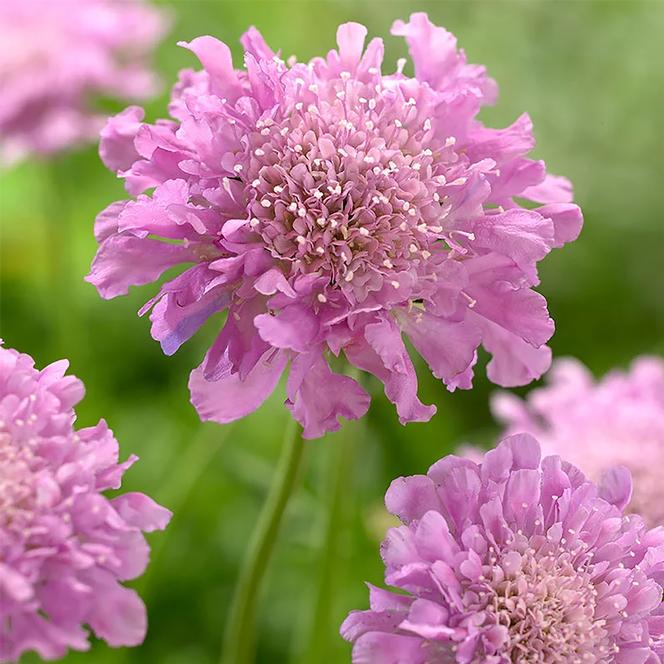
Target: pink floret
[65,548]
[514,559]
[57,56]
[596,425]
[331,210]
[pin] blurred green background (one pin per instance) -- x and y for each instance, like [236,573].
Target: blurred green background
[591,76]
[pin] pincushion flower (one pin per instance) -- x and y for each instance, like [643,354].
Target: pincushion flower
[65,547]
[57,55]
[514,559]
[332,209]
[618,420]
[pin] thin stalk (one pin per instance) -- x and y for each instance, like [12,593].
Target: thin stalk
[239,639]
[59,256]
[322,626]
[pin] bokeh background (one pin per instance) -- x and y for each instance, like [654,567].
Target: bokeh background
[591,76]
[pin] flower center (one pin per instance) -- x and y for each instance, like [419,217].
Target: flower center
[346,185]
[17,490]
[547,602]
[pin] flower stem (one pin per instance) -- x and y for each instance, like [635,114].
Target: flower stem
[57,230]
[322,626]
[239,637]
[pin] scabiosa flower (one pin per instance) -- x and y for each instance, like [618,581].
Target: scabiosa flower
[56,55]
[65,548]
[331,209]
[618,420]
[514,559]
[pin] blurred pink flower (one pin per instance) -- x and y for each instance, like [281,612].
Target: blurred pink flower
[514,559]
[58,54]
[64,546]
[332,209]
[618,420]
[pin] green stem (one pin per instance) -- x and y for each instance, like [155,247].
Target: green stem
[240,629]
[322,627]
[59,254]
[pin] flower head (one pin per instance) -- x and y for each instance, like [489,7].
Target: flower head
[330,209]
[64,546]
[514,559]
[56,54]
[618,420]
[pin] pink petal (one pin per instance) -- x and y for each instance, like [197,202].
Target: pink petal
[141,511]
[228,397]
[125,260]
[317,397]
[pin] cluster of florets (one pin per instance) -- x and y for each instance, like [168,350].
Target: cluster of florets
[618,420]
[330,208]
[514,559]
[57,55]
[65,548]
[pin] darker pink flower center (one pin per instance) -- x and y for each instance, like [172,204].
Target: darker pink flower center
[545,599]
[345,185]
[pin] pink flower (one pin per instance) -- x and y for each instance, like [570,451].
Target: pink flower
[65,548]
[56,55]
[514,559]
[331,209]
[618,420]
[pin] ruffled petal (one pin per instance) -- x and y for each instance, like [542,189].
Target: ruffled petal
[317,397]
[126,260]
[229,397]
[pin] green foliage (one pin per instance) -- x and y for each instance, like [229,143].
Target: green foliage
[590,75]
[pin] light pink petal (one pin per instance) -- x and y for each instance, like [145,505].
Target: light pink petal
[141,511]
[228,397]
[382,648]
[116,147]
[521,312]
[515,362]
[106,223]
[616,486]
[350,39]
[553,189]
[175,320]
[14,585]
[121,618]
[567,221]
[410,498]
[526,236]
[317,397]
[125,260]
[294,327]
[447,346]
[437,61]
[253,42]
[384,355]
[216,58]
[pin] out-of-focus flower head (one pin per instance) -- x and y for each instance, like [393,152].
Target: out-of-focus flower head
[514,559]
[57,55]
[331,209]
[618,420]
[65,548]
